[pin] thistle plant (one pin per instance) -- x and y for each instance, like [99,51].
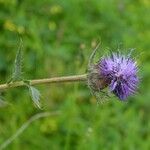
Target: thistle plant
[115,73]
[120,73]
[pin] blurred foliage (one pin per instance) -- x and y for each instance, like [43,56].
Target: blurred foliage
[58,38]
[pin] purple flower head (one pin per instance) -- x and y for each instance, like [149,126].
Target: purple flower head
[121,73]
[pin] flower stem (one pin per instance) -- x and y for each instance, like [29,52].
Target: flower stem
[74,78]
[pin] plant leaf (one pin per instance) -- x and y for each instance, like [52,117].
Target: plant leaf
[35,95]
[17,71]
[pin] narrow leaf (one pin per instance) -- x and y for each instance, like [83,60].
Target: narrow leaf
[35,95]
[17,71]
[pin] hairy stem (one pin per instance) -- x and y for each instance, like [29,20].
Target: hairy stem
[74,78]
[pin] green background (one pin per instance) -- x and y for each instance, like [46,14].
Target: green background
[58,37]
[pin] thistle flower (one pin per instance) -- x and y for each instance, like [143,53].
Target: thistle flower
[121,73]
[118,72]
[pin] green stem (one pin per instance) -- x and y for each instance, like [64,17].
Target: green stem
[74,78]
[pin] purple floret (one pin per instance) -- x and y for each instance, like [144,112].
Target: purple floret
[121,72]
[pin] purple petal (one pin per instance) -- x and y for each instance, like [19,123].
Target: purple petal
[121,72]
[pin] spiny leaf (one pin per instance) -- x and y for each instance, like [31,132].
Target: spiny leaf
[35,95]
[92,56]
[17,71]
[18,63]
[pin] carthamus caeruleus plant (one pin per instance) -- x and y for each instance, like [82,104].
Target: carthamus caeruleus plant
[116,73]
